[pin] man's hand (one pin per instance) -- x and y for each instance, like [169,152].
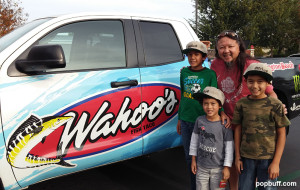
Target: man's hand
[284,109]
[225,117]
[182,68]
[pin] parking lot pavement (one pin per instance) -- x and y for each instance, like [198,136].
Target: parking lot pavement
[290,162]
[164,170]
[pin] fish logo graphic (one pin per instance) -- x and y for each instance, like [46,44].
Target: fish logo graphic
[31,132]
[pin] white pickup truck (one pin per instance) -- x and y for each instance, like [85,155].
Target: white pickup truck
[84,90]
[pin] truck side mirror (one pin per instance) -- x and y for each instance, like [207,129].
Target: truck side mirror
[41,58]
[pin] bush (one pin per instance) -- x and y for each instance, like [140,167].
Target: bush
[258,52]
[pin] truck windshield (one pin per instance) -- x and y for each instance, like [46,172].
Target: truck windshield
[11,37]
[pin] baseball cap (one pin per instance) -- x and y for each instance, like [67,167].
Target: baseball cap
[260,69]
[195,45]
[211,92]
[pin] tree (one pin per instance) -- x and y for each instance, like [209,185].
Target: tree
[267,23]
[218,15]
[279,28]
[11,16]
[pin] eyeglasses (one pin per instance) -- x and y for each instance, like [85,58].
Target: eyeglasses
[228,34]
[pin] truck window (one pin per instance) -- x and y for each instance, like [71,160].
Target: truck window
[14,35]
[160,43]
[89,44]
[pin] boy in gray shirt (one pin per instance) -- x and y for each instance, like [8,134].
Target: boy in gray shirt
[211,143]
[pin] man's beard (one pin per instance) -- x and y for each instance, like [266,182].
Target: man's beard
[229,65]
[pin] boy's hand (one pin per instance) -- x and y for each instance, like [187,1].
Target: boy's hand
[273,170]
[178,128]
[194,166]
[239,165]
[226,173]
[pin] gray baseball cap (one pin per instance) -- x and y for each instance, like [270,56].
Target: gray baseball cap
[211,92]
[260,69]
[195,45]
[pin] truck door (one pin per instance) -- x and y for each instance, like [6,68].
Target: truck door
[81,116]
[160,77]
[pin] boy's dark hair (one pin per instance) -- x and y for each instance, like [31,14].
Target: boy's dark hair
[203,54]
[209,97]
[253,74]
[210,92]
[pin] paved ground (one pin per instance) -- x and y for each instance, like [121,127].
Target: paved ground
[290,162]
[164,170]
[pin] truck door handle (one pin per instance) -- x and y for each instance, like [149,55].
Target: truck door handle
[124,83]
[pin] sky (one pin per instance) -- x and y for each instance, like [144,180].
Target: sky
[169,8]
